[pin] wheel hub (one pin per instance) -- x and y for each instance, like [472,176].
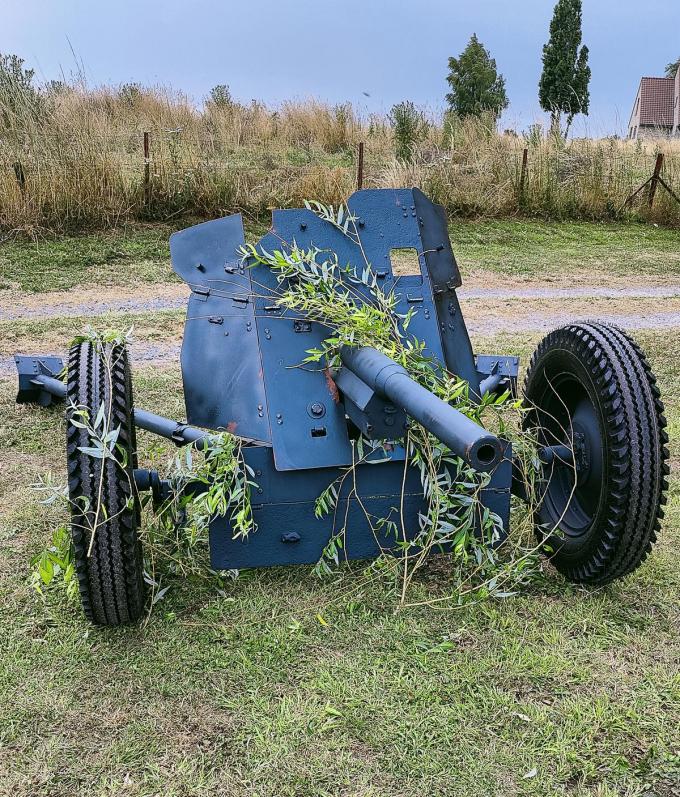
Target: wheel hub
[581,453]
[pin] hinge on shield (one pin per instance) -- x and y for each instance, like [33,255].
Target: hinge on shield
[201,292]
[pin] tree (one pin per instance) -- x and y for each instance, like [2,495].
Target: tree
[409,127]
[130,94]
[18,96]
[13,76]
[672,68]
[476,86]
[220,96]
[566,75]
[55,87]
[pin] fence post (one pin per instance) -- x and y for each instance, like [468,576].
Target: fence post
[655,178]
[147,170]
[20,175]
[360,166]
[523,173]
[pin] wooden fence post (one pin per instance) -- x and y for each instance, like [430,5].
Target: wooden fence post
[655,178]
[20,175]
[523,173]
[147,170]
[360,166]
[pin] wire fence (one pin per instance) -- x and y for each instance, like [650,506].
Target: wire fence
[105,177]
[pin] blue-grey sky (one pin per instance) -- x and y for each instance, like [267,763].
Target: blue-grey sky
[390,49]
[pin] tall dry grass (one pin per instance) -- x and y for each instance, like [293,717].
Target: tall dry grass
[478,172]
[79,155]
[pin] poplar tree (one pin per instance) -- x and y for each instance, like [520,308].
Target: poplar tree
[563,88]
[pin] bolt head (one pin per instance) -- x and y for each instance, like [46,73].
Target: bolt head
[317,409]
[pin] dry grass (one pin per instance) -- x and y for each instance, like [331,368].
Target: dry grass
[82,160]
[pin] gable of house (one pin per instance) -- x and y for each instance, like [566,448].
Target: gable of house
[657,100]
[656,107]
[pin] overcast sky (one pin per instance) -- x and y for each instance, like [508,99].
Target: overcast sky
[392,50]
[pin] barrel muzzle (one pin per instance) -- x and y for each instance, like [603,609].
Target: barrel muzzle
[481,450]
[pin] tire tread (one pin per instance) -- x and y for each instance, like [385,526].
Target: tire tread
[110,578]
[635,427]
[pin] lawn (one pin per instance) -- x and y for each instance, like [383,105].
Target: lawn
[537,249]
[135,254]
[139,254]
[291,685]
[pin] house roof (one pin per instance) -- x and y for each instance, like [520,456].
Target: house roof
[657,96]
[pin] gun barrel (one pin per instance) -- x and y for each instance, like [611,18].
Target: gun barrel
[478,447]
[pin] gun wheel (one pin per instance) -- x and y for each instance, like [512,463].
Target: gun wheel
[105,512]
[589,386]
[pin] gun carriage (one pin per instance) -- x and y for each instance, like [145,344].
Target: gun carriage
[592,399]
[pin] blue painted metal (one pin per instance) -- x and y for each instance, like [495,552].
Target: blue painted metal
[241,367]
[387,219]
[241,358]
[289,533]
[300,440]
[497,373]
[29,369]
[479,448]
[375,417]
[221,369]
[38,384]
[241,353]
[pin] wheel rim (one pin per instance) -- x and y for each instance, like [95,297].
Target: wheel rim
[572,488]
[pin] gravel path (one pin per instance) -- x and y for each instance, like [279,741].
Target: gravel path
[144,353]
[71,309]
[544,323]
[151,298]
[641,292]
[174,297]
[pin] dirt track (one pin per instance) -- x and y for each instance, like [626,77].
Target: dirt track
[595,292]
[89,302]
[145,353]
[170,296]
[490,306]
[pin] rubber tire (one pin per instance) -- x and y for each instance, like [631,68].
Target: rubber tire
[634,465]
[110,579]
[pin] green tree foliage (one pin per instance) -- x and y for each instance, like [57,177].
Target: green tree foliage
[476,86]
[13,76]
[130,94]
[56,88]
[17,93]
[563,88]
[220,97]
[672,68]
[408,126]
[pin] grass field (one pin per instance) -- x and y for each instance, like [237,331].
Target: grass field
[288,685]
[139,254]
